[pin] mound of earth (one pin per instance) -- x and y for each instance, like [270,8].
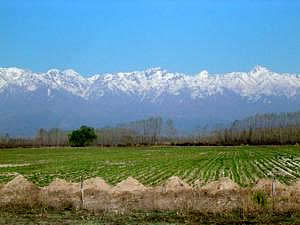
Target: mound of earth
[61,194]
[175,184]
[294,192]
[223,184]
[94,185]
[60,185]
[129,185]
[266,185]
[19,185]
[19,191]
[96,194]
[294,187]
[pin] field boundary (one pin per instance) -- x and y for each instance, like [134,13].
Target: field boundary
[95,194]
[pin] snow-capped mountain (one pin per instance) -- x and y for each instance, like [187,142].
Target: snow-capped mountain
[65,99]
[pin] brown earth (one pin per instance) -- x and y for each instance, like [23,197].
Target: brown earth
[293,192]
[267,184]
[221,185]
[96,184]
[61,194]
[295,186]
[174,184]
[19,191]
[129,185]
[96,195]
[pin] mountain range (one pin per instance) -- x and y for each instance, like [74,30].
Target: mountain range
[65,99]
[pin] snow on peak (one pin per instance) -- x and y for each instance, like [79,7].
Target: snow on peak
[12,72]
[70,72]
[94,78]
[156,82]
[155,71]
[259,69]
[203,74]
[53,71]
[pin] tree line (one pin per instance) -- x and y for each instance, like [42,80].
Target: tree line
[151,131]
[261,129]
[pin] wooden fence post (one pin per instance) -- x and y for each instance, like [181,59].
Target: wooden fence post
[81,193]
[273,194]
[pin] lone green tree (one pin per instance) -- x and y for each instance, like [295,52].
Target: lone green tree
[82,137]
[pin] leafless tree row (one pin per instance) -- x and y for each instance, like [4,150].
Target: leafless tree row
[150,131]
[44,137]
[142,132]
[261,129]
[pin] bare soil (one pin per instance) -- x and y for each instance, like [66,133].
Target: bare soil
[129,185]
[19,191]
[175,184]
[223,184]
[14,165]
[96,195]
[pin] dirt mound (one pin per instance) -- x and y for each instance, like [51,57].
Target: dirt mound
[223,184]
[294,192]
[96,184]
[296,184]
[61,194]
[19,191]
[174,184]
[129,185]
[96,194]
[294,187]
[60,185]
[266,185]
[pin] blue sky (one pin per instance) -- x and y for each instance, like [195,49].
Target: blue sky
[187,36]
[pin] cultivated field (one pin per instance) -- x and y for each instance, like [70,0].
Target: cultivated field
[152,165]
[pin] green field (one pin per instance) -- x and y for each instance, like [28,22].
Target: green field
[152,165]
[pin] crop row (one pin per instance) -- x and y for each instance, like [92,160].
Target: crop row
[153,166]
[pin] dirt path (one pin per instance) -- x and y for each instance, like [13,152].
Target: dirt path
[14,165]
